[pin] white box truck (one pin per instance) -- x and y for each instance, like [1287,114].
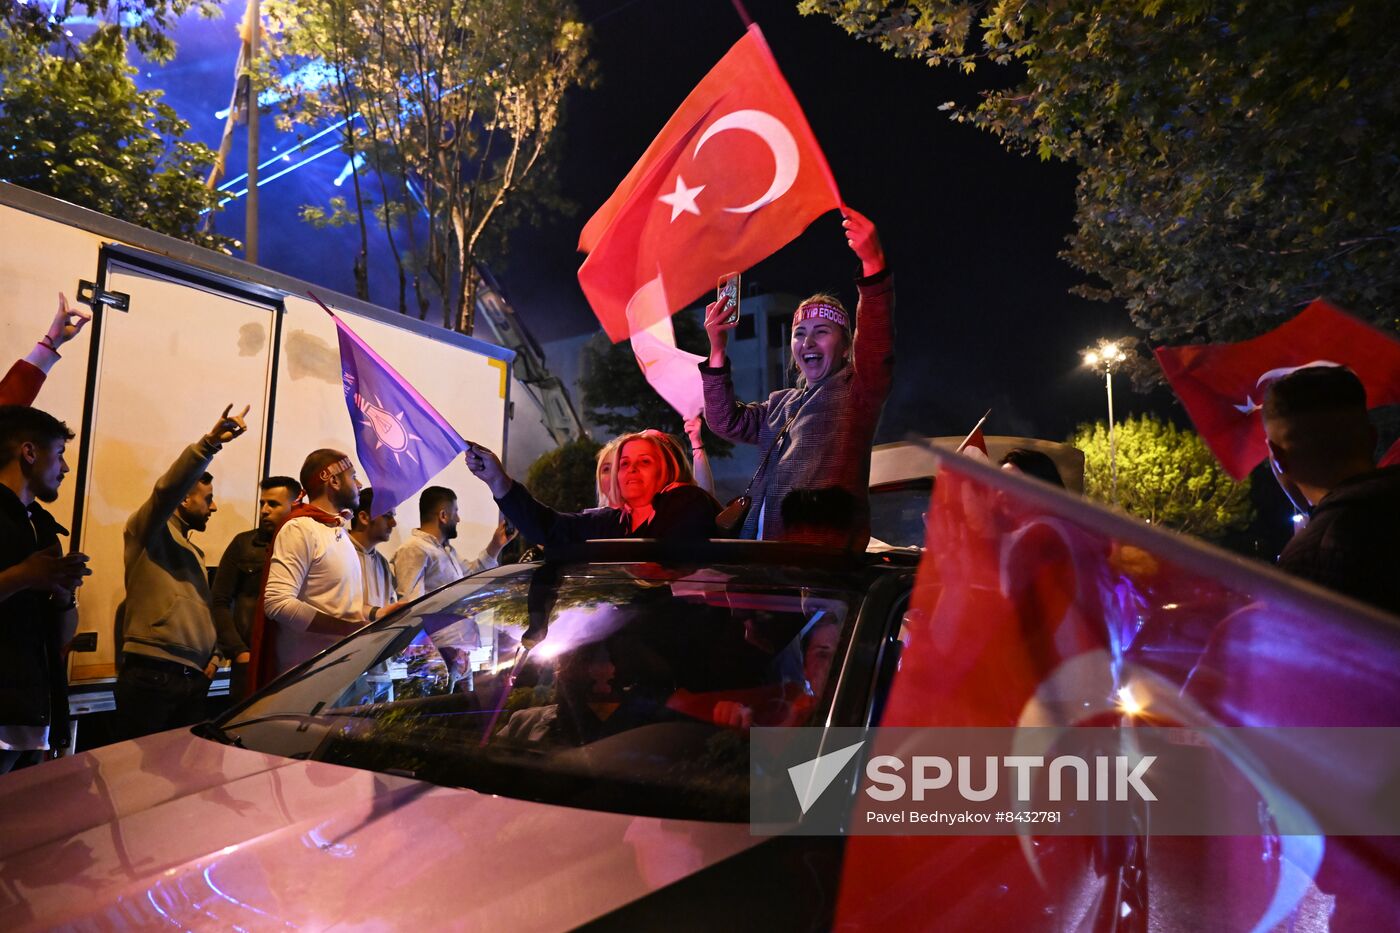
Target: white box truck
[178,333]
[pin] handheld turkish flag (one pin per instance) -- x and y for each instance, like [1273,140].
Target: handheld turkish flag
[1222,385]
[1036,608]
[733,176]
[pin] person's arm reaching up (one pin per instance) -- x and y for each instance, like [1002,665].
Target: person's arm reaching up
[872,351]
[22,383]
[700,461]
[728,417]
[172,488]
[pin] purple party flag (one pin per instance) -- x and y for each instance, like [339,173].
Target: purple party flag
[401,440]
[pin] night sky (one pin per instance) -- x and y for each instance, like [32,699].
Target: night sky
[983,316]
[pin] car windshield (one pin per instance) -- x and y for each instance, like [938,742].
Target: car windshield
[620,687]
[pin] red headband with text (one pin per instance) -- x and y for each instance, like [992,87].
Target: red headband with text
[824,311]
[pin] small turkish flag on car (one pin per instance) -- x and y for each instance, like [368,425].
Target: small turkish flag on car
[734,175]
[1222,385]
[975,444]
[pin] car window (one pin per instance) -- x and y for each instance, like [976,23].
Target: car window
[898,510]
[626,689]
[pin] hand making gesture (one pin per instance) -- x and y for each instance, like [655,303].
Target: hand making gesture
[228,426]
[67,323]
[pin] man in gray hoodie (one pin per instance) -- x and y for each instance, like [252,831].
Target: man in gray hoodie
[168,646]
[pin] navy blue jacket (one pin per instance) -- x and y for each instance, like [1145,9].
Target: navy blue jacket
[682,513]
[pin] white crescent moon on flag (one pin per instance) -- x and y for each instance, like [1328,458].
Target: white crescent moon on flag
[772,131]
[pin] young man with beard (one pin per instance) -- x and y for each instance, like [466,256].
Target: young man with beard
[238,582]
[168,634]
[427,559]
[37,613]
[315,593]
[366,533]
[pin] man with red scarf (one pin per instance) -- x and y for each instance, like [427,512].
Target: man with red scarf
[314,594]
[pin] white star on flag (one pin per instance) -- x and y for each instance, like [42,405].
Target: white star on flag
[682,199]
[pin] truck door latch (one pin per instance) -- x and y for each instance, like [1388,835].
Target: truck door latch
[92,296]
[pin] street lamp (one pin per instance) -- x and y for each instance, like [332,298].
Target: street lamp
[1105,355]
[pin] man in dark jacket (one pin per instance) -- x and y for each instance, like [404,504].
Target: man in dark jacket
[37,612]
[1322,449]
[238,582]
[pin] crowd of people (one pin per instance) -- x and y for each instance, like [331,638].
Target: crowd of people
[816,438]
[308,575]
[312,572]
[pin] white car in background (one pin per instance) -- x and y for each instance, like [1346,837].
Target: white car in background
[901,482]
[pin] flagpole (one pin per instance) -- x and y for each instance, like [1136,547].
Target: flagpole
[312,296]
[973,431]
[1112,433]
[250,236]
[743,13]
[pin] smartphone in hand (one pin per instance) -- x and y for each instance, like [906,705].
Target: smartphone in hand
[728,287]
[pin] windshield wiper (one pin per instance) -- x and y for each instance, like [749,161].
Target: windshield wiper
[207,730]
[296,717]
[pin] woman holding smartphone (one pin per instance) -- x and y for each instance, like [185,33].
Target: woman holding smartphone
[818,434]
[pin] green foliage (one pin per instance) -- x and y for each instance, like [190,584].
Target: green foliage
[454,106]
[565,478]
[90,136]
[1236,159]
[1166,475]
[145,24]
[617,396]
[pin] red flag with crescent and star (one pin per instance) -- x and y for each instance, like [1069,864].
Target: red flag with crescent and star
[734,175]
[1222,385]
[1036,609]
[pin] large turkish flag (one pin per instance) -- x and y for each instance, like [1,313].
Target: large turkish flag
[1036,608]
[733,176]
[1222,385]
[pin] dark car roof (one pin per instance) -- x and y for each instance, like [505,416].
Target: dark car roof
[762,561]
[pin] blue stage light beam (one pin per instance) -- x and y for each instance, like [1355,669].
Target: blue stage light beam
[301,144]
[234,196]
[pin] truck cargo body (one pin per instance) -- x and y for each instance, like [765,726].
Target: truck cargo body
[178,333]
